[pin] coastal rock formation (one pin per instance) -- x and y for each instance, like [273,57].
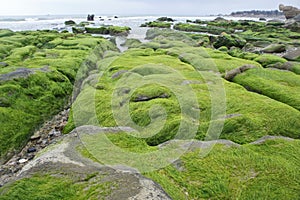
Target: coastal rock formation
[90,17]
[289,11]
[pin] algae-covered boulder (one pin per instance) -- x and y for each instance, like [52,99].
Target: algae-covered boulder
[165,19]
[268,59]
[111,30]
[229,41]
[70,23]
[157,24]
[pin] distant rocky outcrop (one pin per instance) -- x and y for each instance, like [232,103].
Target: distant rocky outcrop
[289,11]
[90,17]
[292,14]
[257,13]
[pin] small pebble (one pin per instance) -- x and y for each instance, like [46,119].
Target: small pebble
[22,161]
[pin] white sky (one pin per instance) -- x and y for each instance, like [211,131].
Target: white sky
[137,7]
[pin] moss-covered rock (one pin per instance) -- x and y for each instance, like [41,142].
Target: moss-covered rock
[229,41]
[157,24]
[268,59]
[70,23]
[111,30]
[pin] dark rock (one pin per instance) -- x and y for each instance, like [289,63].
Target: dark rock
[220,19]
[274,48]
[70,23]
[165,19]
[289,11]
[293,55]
[31,150]
[262,19]
[90,17]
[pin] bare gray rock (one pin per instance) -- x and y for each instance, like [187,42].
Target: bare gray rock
[289,11]
[231,74]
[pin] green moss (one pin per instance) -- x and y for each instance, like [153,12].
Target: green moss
[57,187]
[251,116]
[111,30]
[29,101]
[199,28]
[282,86]
[157,24]
[268,59]
[6,32]
[267,171]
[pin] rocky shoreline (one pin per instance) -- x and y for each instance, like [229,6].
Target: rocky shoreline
[49,133]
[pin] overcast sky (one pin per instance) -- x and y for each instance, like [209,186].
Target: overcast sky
[136,7]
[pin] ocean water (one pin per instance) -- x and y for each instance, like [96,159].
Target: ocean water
[56,22]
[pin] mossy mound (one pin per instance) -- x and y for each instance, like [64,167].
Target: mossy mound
[282,86]
[248,118]
[266,171]
[268,59]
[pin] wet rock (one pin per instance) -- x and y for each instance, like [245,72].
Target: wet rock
[31,150]
[262,19]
